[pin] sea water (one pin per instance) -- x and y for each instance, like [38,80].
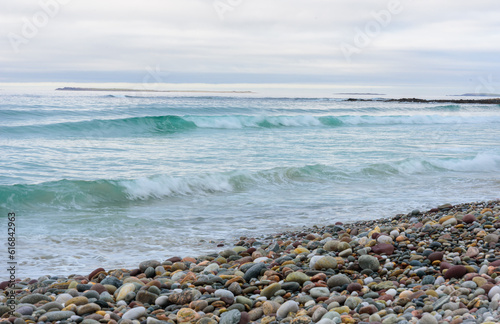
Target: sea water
[111,179]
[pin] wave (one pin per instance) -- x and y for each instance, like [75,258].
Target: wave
[172,123]
[79,194]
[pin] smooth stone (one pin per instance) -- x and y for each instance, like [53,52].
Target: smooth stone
[342,246]
[111,280]
[319,292]
[270,307]
[440,302]
[51,305]
[34,298]
[469,218]
[383,248]
[235,288]
[313,261]
[450,306]
[493,291]
[134,313]
[255,314]
[145,297]
[428,280]
[386,239]
[318,314]
[370,309]
[222,293]
[290,286]
[352,302]
[326,262]
[152,320]
[186,315]
[457,271]
[25,310]
[298,277]
[63,298]
[345,253]
[99,288]
[106,297]
[91,294]
[491,238]
[244,301]
[369,262]
[270,290]
[331,245]
[450,222]
[338,280]
[80,300]
[427,319]
[354,287]
[472,252]
[149,263]
[435,256]
[469,285]
[480,281]
[124,290]
[88,309]
[56,316]
[212,267]
[375,318]
[287,307]
[90,321]
[198,305]
[230,317]
[254,271]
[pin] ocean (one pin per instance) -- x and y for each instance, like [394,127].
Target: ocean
[114,178]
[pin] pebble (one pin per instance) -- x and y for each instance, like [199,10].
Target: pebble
[319,292]
[134,313]
[439,266]
[230,317]
[369,262]
[287,307]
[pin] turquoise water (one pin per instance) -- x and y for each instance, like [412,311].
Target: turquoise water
[99,179]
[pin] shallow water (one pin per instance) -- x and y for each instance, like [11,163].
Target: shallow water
[111,180]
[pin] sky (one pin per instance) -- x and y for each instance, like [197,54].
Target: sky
[365,42]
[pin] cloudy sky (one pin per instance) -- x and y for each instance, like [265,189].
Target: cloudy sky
[409,42]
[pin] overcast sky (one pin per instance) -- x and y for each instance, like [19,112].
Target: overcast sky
[230,41]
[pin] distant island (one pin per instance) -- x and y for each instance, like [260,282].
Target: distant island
[479,95]
[360,94]
[458,101]
[146,90]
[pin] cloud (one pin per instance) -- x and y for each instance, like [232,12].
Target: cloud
[258,37]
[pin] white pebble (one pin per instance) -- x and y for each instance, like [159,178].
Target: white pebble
[391,292]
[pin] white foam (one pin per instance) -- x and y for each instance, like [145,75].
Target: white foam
[166,186]
[482,162]
[418,119]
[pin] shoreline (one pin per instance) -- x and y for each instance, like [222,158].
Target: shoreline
[438,266]
[495,101]
[146,90]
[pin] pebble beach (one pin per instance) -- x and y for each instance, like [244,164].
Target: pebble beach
[435,266]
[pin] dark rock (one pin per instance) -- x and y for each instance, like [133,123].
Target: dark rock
[254,271]
[436,256]
[457,271]
[469,218]
[111,280]
[95,272]
[383,248]
[34,298]
[149,263]
[354,287]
